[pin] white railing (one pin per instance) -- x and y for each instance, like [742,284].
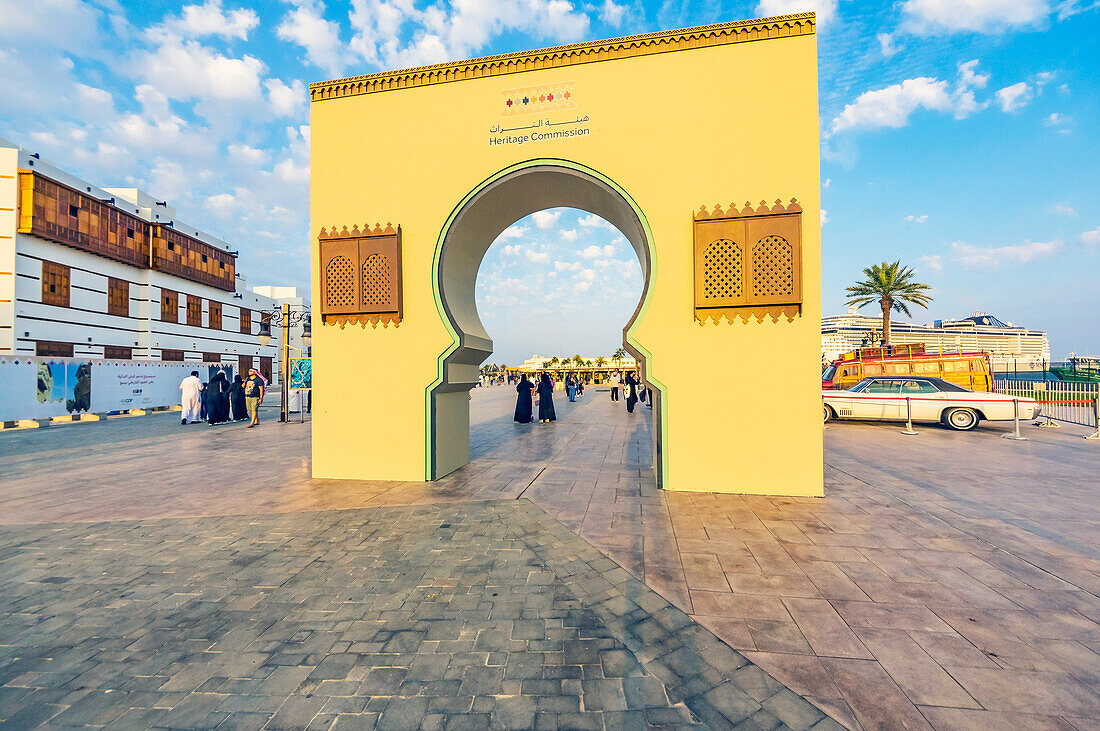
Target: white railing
[1068,401]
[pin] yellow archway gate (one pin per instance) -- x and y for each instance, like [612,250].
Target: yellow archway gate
[699,145]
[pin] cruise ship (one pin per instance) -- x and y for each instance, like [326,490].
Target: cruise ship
[1012,348]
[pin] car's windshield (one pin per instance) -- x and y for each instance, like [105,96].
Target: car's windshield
[876,385]
[828,373]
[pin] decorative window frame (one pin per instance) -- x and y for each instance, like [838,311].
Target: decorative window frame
[372,300]
[762,243]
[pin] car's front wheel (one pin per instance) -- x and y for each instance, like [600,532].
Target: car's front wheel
[961,419]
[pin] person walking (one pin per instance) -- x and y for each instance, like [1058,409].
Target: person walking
[253,396]
[571,387]
[217,400]
[630,390]
[524,400]
[546,399]
[236,399]
[191,399]
[615,381]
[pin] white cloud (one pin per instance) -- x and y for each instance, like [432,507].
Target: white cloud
[979,16]
[546,219]
[222,204]
[887,45]
[892,106]
[825,9]
[570,234]
[189,70]
[594,251]
[1055,119]
[563,266]
[587,275]
[594,221]
[244,154]
[537,257]
[612,13]
[992,257]
[446,33]
[1015,97]
[827,183]
[824,217]
[933,262]
[511,250]
[581,287]
[306,26]
[913,218]
[1091,238]
[294,168]
[1063,209]
[286,101]
[513,232]
[211,19]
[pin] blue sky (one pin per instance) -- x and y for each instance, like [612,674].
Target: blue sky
[957,135]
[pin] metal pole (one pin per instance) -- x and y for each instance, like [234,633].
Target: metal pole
[284,382]
[908,418]
[1016,419]
[1096,413]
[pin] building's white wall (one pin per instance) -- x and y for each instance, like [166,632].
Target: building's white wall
[9,211]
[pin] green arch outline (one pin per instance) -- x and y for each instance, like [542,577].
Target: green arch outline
[629,334]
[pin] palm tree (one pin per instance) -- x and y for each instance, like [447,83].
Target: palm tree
[892,286]
[578,360]
[600,361]
[588,363]
[618,355]
[552,362]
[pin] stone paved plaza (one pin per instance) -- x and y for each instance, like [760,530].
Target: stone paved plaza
[155,574]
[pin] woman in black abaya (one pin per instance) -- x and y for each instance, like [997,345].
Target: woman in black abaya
[631,391]
[523,401]
[236,399]
[546,399]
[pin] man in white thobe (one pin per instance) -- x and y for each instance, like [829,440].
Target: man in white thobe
[191,399]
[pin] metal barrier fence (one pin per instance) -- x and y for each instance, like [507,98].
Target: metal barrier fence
[1073,403]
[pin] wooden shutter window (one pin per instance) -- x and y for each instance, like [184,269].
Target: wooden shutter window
[194,311]
[361,274]
[169,306]
[53,350]
[215,316]
[115,352]
[171,355]
[55,284]
[118,297]
[244,362]
[748,262]
[246,321]
[211,358]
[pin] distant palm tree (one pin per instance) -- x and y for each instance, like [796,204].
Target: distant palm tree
[600,361]
[618,355]
[892,286]
[552,362]
[588,363]
[578,359]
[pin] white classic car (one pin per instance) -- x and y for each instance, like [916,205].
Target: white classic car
[931,399]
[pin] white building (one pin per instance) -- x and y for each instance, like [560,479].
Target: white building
[110,273]
[539,362]
[1010,347]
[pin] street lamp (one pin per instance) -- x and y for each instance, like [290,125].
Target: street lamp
[285,318]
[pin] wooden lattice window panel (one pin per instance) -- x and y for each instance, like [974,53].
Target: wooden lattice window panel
[55,284]
[215,315]
[244,362]
[53,349]
[361,274]
[748,262]
[722,275]
[377,281]
[246,321]
[772,267]
[194,311]
[169,306]
[211,358]
[171,355]
[118,297]
[117,352]
[340,285]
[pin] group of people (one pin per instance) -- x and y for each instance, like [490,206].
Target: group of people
[633,391]
[220,401]
[540,393]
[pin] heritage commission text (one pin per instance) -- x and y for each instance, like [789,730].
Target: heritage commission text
[538,136]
